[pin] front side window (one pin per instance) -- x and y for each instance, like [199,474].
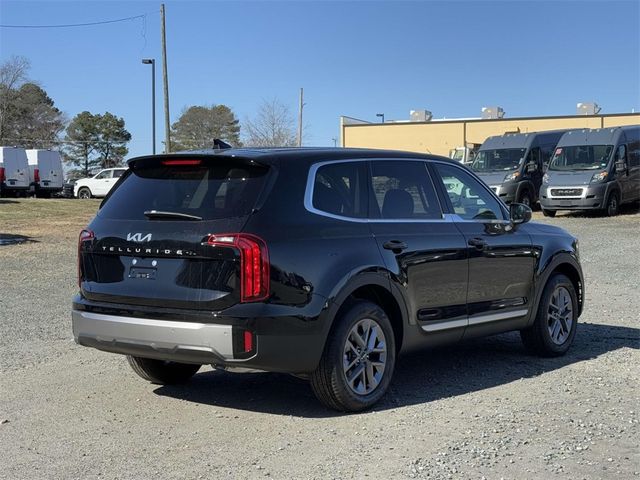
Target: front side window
[504,159]
[103,175]
[582,157]
[402,190]
[341,189]
[469,199]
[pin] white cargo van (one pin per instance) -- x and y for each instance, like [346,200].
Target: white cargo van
[45,172]
[14,171]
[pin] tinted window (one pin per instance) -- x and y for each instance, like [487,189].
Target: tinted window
[402,190]
[208,191]
[341,189]
[118,173]
[470,200]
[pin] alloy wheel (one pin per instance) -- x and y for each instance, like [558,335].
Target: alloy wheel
[560,315]
[364,356]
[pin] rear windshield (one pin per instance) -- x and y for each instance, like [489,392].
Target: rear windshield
[214,191]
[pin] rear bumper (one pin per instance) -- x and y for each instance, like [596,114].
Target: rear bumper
[186,342]
[8,186]
[286,339]
[591,197]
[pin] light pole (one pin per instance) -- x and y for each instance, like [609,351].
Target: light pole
[152,62]
[381,115]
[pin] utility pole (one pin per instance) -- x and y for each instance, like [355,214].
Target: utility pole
[300,117]
[152,62]
[165,80]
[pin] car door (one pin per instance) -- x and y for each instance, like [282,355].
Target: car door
[101,183]
[501,257]
[421,247]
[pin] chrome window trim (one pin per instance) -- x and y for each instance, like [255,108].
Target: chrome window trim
[583,195]
[311,178]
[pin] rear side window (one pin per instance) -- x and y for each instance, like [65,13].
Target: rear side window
[210,191]
[341,189]
[403,190]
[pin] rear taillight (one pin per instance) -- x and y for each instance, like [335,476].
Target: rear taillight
[36,175]
[85,236]
[2,175]
[254,263]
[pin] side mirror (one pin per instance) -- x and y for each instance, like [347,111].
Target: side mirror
[545,167]
[621,166]
[519,213]
[532,167]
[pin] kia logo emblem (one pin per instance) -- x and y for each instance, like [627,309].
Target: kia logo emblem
[138,237]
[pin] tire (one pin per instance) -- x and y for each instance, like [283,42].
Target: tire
[525,198]
[548,213]
[329,381]
[84,193]
[613,204]
[551,336]
[162,372]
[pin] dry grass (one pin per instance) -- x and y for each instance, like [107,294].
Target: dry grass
[46,220]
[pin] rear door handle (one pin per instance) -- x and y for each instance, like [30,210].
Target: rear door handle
[396,246]
[479,243]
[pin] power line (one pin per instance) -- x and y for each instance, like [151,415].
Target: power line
[71,25]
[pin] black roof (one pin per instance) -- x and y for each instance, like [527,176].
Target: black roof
[297,153]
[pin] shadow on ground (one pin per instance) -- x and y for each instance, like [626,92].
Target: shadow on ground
[419,377]
[11,239]
[626,209]
[5,200]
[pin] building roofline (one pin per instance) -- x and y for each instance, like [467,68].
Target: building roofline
[490,120]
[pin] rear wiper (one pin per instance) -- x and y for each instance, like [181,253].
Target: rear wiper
[160,214]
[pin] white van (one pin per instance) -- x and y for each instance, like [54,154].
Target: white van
[14,171]
[45,172]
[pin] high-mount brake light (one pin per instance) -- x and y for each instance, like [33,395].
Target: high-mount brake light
[85,236]
[171,163]
[254,263]
[2,175]
[36,175]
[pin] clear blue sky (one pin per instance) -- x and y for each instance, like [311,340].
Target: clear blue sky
[352,58]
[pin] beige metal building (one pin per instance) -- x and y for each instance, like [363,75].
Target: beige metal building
[441,136]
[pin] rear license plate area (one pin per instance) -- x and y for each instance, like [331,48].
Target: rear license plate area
[143,273]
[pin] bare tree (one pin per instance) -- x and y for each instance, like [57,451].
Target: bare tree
[13,73]
[273,126]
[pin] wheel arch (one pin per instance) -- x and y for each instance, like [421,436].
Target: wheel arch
[567,265]
[373,287]
[528,186]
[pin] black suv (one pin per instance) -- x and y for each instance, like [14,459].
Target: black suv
[324,263]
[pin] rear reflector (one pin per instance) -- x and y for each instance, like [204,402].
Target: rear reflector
[254,263]
[36,175]
[172,163]
[85,236]
[2,174]
[248,341]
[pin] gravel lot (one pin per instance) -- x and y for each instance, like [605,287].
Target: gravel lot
[483,409]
